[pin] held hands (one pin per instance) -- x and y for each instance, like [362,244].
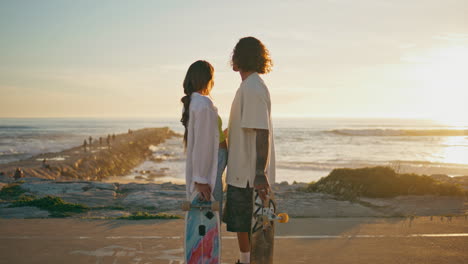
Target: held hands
[204,190]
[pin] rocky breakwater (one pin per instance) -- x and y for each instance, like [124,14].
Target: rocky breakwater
[93,162]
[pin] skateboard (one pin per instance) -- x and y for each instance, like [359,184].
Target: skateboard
[202,231]
[262,234]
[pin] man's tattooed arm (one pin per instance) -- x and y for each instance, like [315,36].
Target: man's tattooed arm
[262,147]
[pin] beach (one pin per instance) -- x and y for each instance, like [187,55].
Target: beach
[137,177]
[305,240]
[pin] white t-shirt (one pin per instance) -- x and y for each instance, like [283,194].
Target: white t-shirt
[251,109]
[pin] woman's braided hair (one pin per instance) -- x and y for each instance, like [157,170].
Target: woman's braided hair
[199,74]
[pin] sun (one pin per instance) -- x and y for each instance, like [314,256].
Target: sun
[442,82]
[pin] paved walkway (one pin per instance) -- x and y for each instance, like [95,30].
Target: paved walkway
[308,240]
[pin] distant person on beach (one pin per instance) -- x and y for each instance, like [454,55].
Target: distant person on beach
[100,141]
[251,162]
[204,140]
[113,137]
[84,145]
[44,164]
[90,142]
[18,174]
[108,139]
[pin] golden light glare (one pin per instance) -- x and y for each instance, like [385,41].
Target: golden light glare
[442,78]
[455,150]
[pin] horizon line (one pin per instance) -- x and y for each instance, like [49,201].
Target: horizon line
[177,117]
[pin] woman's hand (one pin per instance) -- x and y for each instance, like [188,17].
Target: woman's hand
[204,190]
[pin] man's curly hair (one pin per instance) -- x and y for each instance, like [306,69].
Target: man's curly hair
[250,54]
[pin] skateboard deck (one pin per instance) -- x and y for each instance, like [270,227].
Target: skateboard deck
[202,231]
[262,234]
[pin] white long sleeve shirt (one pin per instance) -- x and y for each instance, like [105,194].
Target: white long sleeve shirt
[202,143]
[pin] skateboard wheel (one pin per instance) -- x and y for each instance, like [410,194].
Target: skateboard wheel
[284,218]
[215,206]
[186,206]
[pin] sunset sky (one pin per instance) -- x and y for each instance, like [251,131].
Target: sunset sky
[336,58]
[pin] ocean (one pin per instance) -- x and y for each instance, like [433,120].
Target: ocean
[306,148]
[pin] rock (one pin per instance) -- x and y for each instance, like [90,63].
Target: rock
[4,205]
[103,214]
[159,200]
[103,186]
[53,188]
[132,187]
[6,179]
[441,177]
[35,179]
[426,205]
[302,204]
[23,212]
[91,198]
[175,194]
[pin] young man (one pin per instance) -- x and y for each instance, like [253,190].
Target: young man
[251,159]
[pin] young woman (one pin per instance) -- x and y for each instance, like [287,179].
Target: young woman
[204,139]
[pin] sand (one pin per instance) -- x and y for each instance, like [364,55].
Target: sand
[306,240]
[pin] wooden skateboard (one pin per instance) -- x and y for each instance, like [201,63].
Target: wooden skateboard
[202,231]
[262,234]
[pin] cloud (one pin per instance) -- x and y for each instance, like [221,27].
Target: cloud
[454,37]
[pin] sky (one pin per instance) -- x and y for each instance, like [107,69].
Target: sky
[336,58]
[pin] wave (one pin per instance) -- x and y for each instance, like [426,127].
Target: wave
[16,127]
[419,167]
[322,166]
[400,132]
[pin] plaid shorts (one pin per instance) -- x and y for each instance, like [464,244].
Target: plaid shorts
[239,208]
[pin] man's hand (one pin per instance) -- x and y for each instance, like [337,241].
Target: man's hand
[262,186]
[204,190]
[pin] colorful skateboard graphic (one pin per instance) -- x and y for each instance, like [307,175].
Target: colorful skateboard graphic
[262,234]
[202,231]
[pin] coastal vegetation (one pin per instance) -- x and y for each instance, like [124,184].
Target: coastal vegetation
[380,182]
[56,206]
[11,191]
[146,215]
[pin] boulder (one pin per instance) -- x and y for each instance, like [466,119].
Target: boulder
[91,198]
[35,179]
[23,212]
[103,214]
[6,179]
[157,200]
[301,204]
[53,188]
[103,186]
[138,187]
